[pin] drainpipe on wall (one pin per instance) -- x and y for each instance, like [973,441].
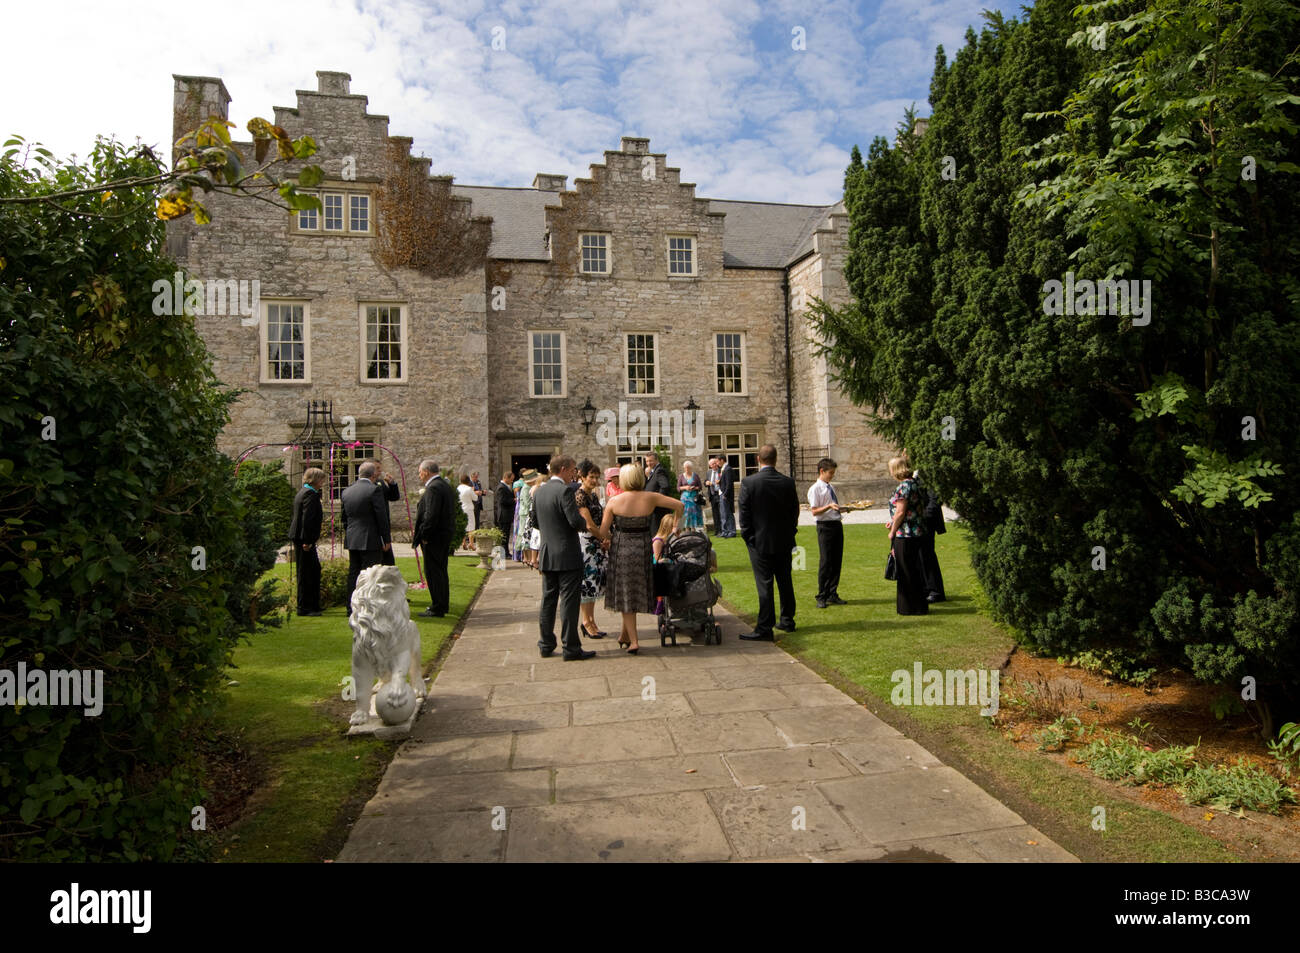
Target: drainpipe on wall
[789,397]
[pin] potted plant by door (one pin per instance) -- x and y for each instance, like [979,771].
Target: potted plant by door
[485,540]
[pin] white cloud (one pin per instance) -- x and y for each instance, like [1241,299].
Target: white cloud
[715,85]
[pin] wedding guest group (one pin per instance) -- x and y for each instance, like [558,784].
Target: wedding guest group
[435,523]
[825,508]
[367,534]
[769,520]
[560,560]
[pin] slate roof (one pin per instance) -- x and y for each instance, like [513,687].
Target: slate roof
[757,234]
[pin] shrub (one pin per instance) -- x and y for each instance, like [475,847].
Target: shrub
[127,547]
[333,582]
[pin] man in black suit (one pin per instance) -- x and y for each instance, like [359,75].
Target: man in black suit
[769,513]
[435,522]
[478,499]
[560,559]
[503,508]
[366,533]
[727,497]
[657,480]
[392,493]
[304,532]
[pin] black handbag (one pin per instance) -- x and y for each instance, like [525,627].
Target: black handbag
[891,567]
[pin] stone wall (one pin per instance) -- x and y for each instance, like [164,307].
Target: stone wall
[637,200]
[441,408]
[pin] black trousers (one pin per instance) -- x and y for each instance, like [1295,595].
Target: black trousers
[930,569]
[768,568]
[561,589]
[911,576]
[308,579]
[386,557]
[717,514]
[478,515]
[359,559]
[830,551]
[436,554]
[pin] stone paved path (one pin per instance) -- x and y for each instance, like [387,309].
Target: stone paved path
[519,758]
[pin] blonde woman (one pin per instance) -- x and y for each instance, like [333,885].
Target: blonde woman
[629,581]
[906,530]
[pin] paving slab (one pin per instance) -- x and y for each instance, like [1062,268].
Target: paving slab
[560,690]
[630,779]
[607,711]
[883,754]
[780,820]
[452,756]
[728,731]
[662,828]
[738,699]
[770,766]
[451,697]
[771,674]
[422,793]
[816,695]
[908,805]
[673,681]
[830,723]
[442,724]
[584,745]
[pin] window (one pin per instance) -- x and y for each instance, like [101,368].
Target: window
[333,212]
[546,363]
[641,364]
[358,213]
[341,213]
[595,254]
[383,337]
[729,349]
[681,255]
[285,340]
[632,451]
[740,448]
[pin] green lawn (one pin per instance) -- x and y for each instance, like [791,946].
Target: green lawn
[859,645]
[288,712]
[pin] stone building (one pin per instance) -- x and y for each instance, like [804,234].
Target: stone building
[624,297]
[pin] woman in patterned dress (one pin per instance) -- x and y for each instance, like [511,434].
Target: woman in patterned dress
[629,579]
[906,529]
[689,486]
[594,558]
[524,507]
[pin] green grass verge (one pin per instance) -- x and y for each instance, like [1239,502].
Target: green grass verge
[858,646]
[287,712]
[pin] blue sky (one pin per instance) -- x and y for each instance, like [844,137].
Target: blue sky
[716,84]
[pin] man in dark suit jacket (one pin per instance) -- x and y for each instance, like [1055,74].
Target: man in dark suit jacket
[560,559]
[657,480]
[304,532]
[435,522]
[727,497]
[392,493]
[503,508]
[366,533]
[769,513]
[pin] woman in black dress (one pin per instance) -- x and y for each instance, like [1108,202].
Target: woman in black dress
[593,550]
[906,530]
[629,579]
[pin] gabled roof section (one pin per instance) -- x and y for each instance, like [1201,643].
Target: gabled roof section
[756,234]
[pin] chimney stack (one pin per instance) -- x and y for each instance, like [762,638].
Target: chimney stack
[333,84]
[546,182]
[196,99]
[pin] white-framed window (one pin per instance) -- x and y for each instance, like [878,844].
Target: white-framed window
[594,248]
[546,364]
[341,213]
[333,202]
[729,361]
[358,213]
[741,448]
[285,342]
[383,343]
[348,459]
[681,255]
[642,347]
[631,451]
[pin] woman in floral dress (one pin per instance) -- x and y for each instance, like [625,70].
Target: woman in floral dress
[689,486]
[906,529]
[593,550]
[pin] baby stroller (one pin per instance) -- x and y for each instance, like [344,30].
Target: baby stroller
[684,577]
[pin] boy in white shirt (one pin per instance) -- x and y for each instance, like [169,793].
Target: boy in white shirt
[830,534]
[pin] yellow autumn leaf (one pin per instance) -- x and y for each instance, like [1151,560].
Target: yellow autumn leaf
[106,196]
[1208,816]
[172,206]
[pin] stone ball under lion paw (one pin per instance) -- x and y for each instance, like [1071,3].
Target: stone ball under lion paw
[395,705]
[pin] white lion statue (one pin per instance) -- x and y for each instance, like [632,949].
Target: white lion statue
[385,645]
